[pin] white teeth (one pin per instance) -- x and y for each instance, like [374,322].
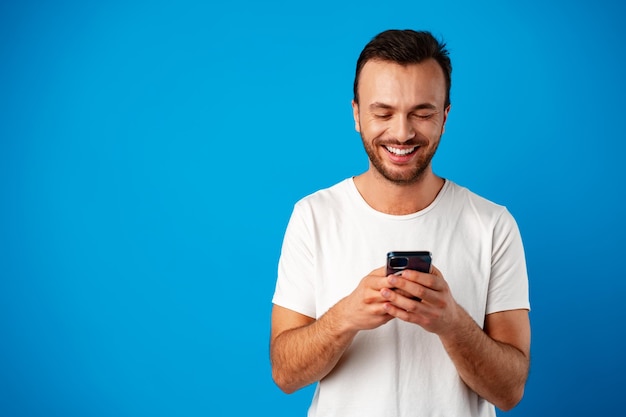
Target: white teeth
[397,151]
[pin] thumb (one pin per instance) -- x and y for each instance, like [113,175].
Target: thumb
[435,271]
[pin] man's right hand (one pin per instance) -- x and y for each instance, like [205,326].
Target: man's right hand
[303,350]
[364,308]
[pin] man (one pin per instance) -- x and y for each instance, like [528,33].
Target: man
[451,342]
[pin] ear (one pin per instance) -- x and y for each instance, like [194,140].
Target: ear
[355,114]
[445,118]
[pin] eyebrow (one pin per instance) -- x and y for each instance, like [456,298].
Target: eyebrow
[424,106]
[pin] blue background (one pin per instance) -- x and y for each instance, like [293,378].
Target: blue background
[151,152]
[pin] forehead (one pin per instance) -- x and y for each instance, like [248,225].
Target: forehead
[396,84]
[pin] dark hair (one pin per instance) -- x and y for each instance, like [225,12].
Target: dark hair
[405,47]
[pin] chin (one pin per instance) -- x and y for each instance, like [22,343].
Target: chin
[404,178]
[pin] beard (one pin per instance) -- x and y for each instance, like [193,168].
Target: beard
[406,175]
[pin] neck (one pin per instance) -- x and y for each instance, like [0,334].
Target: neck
[398,199]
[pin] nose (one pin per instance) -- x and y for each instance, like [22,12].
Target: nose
[402,129]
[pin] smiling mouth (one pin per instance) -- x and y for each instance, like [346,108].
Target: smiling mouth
[401,152]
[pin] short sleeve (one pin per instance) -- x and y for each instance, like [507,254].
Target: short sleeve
[508,284]
[295,288]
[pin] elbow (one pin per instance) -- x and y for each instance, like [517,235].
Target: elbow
[287,389]
[512,395]
[282,382]
[281,375]
[510,401]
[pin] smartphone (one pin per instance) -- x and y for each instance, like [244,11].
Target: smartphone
[415,260]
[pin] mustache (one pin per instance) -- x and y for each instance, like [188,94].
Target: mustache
[407,143]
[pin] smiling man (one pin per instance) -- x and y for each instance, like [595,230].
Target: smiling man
[451,341]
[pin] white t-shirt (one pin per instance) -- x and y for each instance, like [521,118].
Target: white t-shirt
[334,239]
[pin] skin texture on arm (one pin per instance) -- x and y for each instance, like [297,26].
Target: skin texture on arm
[304,350]
[493,362]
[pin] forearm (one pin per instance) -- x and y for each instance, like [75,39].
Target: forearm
[494,370]
[304,355]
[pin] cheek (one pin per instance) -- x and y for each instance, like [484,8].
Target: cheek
[373,129]
[431,130]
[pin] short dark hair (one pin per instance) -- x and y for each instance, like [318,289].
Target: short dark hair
[405,47]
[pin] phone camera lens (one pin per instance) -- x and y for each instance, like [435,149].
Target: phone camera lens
[399,263]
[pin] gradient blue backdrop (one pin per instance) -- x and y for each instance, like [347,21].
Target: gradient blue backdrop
[151,152]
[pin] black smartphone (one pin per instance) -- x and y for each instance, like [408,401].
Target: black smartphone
[415,260]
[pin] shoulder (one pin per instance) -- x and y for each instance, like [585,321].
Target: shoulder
[460,194]
[470,203]
[329,198]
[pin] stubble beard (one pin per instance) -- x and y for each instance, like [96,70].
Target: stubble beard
[407,176]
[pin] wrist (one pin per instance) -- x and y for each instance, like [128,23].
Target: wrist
[336,323]
[460,326]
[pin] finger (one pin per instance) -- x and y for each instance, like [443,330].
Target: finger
[379,272]
[435,271]
[402,314]
[433,280]
[408,287]
[399,305]
[396,296]
[404,293]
